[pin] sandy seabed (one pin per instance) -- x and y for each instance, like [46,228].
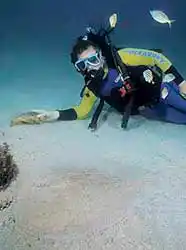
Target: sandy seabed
[105,190]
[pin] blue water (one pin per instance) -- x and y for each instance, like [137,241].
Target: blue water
[37,36]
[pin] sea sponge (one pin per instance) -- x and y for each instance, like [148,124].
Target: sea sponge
[8,168]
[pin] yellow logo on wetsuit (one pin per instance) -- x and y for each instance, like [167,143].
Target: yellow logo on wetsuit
[147,53]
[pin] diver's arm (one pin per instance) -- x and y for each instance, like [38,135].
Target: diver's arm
[81,111]
[136,57]
[40,116]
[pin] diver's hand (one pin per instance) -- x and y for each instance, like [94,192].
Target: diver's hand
[182,88]
[35,117]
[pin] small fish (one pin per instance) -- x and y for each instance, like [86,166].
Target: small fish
[161,17]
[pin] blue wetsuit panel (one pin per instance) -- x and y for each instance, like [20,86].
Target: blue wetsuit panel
[112,81]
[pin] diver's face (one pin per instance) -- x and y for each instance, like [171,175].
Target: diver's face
[90,59]
[86,53]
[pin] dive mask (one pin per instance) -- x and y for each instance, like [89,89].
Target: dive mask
[92,62]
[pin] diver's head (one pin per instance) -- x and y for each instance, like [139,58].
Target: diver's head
[87,57]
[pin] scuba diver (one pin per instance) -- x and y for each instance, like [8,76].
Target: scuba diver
[131,80]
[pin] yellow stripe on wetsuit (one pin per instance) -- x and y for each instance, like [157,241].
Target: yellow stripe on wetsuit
[136,57]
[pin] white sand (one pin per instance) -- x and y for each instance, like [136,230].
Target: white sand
[106,190]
